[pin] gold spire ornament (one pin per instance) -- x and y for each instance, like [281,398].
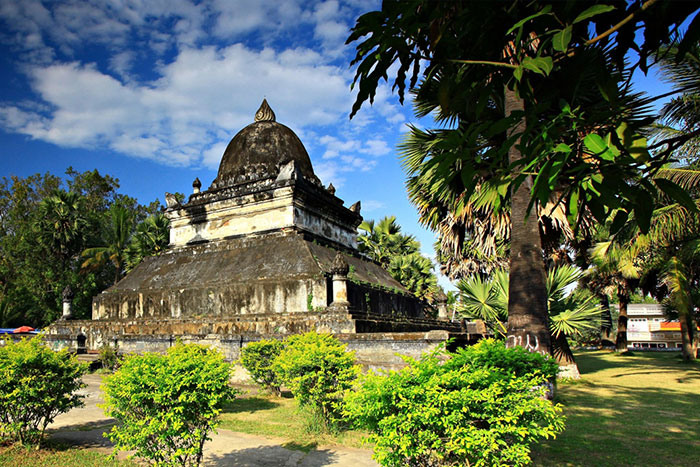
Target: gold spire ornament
[264,113]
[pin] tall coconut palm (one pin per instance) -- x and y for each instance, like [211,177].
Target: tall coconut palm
[680,117]
[117,233]
[673,261]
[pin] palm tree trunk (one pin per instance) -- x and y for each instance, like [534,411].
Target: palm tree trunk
[687,338]
[696,341]
[606,322]
[565,358]
[527,292]
[621,341]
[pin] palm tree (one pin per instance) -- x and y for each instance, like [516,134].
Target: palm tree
[680,117]
[672,257]
[486,299]
[384,240]
[115,242]
[61,225]
[620,265]
[568,314]
[399,254]
[151,239]
[415,272]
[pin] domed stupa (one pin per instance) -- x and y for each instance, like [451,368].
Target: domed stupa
[265,251]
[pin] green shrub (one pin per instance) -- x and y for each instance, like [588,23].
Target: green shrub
[257,358]
[36,385]
[318,369]
[482,406]
[108,357]
[167,404]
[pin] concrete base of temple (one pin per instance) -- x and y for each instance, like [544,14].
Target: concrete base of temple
[377,341]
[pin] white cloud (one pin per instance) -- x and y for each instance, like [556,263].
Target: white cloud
[201,94]
[204,90]
[372,205]
[376,147]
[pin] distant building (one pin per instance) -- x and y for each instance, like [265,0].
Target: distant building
[648,328]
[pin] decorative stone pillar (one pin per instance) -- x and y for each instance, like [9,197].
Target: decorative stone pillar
[196,186]
[441,300]
[67,301]
[340,270]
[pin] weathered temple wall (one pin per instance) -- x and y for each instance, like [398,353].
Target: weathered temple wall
[265,207]
[385,301]
[243,215]
[240,298]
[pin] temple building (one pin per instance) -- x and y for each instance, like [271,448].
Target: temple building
[265,251]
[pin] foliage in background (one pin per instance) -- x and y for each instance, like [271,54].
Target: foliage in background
[113,244]
[415,272]
[482,406]
[318,369]
[383,240]
[167,405]
[570,314]
[45,224]
[258,358]
[399,254]
[36,385]
[150,239]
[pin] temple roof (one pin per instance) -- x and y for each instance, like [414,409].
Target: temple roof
[260,149]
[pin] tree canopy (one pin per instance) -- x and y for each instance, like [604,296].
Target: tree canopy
[46,224]
[569,63]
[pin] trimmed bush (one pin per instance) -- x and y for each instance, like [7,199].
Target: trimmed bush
[483,406]
[108,357]
[36,385]
[257,358]
[168,404]
[318,369]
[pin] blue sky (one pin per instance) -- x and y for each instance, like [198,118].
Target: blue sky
[151,92]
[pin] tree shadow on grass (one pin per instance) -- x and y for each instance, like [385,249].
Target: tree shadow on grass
[272,456]
[249,404]
[614,424]
[90,439]
[593,361]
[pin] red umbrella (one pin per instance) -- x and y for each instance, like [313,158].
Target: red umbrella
[23,329]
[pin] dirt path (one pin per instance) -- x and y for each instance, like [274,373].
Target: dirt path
[85,426]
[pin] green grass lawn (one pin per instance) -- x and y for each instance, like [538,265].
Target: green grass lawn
[640,410]
[55,455]
[269,415]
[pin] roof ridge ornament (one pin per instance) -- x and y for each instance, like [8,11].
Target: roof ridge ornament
[264,113]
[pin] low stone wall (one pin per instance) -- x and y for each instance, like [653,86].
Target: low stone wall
[376,351]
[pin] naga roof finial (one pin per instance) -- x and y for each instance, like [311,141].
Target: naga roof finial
[264,113]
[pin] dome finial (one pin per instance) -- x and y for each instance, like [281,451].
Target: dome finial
[264,113]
